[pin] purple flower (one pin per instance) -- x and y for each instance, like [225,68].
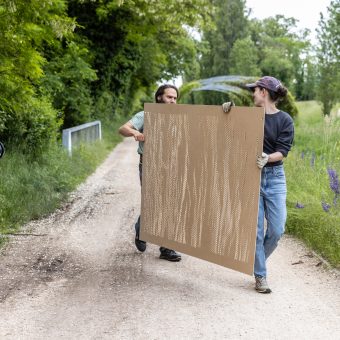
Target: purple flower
[299,205]
[325,206]
[333,180]
[302,155]
[312,160]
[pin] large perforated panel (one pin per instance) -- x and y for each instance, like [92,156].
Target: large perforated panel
[200,181]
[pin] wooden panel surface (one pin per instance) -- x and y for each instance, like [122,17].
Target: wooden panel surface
[201,184]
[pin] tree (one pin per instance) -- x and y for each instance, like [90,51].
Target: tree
[67,81]
[244,58]
[64,62]
[328,55]
[27,116]
[308,79]
[283,53]
[135,44]
[229,24]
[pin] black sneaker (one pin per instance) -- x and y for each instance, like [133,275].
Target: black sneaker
[141,245]
[169,254]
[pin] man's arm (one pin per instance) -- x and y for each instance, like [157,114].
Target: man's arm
[127,130]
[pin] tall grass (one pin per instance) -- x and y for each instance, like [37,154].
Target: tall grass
[31,188]
[313,211]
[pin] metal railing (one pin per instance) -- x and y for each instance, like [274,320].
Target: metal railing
[80,134]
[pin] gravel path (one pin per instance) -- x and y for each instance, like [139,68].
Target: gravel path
[79,276]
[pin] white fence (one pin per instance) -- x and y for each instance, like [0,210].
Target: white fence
[80,134]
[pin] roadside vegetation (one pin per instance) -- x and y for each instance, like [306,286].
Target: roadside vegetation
[34,186]
[312,170]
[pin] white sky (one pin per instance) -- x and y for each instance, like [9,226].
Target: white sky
[306,11]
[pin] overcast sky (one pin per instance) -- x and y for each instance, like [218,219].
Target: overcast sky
[306,11]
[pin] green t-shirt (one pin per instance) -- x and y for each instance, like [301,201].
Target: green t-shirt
[137,122]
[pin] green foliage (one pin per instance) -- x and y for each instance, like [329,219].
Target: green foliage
[33,187]
[27,117]
[228,88]
[282,52]
[316,148]
[229,24]
[237,45]
[35,124]
[136,44]
[288,105]
[319,230]
[244,58]
[306,86]
[53,76]
[66,62]
[328,54]
[67,80]
[275,64]
[316,134]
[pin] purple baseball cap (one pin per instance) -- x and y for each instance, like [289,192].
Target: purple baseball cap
[267,82]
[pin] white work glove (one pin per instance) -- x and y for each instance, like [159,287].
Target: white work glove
[226,107]
[262,160]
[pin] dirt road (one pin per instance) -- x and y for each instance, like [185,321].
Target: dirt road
[79,276]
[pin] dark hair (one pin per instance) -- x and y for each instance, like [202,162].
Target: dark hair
[160,91]
[277,95]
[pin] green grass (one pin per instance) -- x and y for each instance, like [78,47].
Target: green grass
[31,188]
[315,134]
[316,149]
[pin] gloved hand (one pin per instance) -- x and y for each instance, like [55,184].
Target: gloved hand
[262,160]
[226,107]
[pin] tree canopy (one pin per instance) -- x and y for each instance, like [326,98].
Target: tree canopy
[328,54]
[65,62]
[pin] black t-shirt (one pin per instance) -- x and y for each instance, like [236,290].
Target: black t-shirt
[278,134]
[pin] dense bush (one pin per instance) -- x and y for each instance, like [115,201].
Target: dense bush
[28,117]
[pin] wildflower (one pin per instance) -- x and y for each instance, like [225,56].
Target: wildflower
[325,206]
[299,205]
[302,155]
[312,160]
[333,181]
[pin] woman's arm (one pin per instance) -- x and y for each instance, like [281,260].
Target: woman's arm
[275,157]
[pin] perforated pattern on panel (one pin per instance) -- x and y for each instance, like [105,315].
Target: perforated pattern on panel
[200,181]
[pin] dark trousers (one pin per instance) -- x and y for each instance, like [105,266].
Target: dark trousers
[137,225]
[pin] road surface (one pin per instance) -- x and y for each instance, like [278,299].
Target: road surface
[77,275]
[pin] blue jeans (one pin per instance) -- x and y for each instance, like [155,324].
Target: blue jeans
[272,205]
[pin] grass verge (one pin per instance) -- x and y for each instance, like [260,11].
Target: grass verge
[313,207]
[31,188]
